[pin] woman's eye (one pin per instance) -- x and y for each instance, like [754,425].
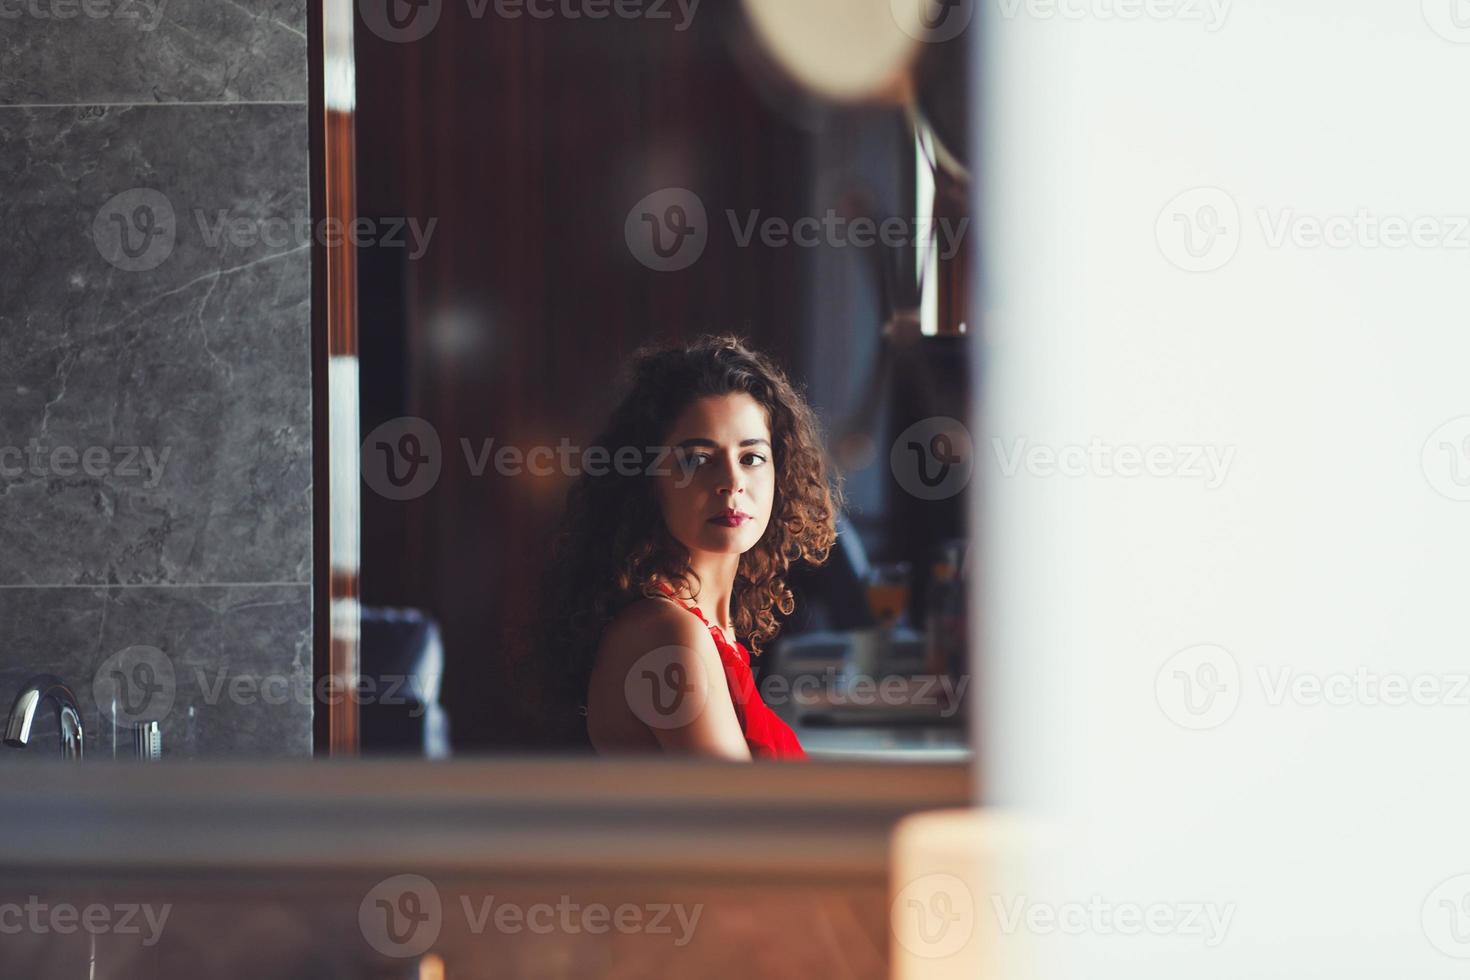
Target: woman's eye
[750,459]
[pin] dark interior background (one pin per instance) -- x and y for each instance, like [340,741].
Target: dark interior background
[529,141]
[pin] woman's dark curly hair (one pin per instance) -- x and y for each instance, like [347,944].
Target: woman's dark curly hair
[613,539]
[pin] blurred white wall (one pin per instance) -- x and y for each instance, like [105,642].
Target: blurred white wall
[1237,683]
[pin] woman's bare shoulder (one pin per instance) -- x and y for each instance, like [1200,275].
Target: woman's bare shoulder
[645,626]
[649,623]
[638,700]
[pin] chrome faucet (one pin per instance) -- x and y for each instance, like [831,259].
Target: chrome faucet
[44,687]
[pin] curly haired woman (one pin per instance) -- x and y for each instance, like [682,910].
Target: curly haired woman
[716,483]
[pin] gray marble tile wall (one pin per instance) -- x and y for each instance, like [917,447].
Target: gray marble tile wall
[155,368]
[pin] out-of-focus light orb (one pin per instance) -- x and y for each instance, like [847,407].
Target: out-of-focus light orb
[847,50]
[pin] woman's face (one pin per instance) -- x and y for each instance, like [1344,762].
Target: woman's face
[721,462]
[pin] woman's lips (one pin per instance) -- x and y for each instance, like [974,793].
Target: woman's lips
[730,520]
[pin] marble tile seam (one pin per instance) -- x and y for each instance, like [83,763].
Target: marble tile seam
[153,585]
[145,105]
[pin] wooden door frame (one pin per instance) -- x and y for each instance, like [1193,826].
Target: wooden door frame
[336,485]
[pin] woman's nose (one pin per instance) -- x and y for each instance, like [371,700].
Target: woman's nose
[731,480]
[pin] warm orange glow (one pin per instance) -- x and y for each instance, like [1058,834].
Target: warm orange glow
[431,967]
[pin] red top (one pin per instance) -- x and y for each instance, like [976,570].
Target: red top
[768,736]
